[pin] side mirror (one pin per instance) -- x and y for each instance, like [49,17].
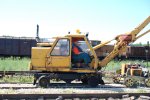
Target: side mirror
[87,34]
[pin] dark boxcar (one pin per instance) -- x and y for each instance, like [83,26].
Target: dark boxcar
[15,46]
[137,52]
[2,46]
[25,46]
[149,52]
[104,51]
[140,52]
[95,42]
[8,46]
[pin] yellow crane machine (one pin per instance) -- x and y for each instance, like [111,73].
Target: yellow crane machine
[55,61]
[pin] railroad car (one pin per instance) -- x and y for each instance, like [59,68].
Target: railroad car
[137,52]
[16,46]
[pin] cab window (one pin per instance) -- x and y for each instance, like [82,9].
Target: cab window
[61,48]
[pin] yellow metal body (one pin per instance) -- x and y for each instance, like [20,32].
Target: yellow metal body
[38,60]
[132,70]
[123,69]
[44,58]
[44,44]
[136,72]
[51,59]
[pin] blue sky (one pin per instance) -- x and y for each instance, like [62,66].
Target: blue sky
[103,19]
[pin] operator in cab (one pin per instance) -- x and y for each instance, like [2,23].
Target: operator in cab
[78,54]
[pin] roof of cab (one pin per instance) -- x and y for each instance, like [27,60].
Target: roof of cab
[75,35]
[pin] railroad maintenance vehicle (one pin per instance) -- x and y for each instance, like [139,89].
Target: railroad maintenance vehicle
[132,74]
[56,62]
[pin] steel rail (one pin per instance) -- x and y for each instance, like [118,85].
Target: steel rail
[73,96]
[60,85]
[3,73]
[18,72]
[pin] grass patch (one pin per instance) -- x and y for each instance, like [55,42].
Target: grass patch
[14,64]
[21,64]
[18,79]
[116,64]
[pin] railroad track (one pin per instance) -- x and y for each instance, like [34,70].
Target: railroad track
[3,73]
[80,85]
[56,85]
[94,96]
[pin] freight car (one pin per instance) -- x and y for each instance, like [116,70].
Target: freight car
[104,51]
[132,52]
[138,52]
[16,46]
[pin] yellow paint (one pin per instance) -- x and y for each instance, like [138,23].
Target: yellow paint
[135,72]
[38,57]
[44,44]
[58,61]
[123,68]
[43,60]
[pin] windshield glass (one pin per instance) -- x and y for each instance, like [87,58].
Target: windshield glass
[83,45]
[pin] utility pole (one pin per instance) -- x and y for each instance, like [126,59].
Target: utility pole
[147,51]
[37,34]
[37,31]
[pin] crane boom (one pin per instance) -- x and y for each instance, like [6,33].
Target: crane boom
[142,34]
[102,44]
[137,30]
[123,41]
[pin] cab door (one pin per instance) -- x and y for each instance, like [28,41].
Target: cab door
[59,57]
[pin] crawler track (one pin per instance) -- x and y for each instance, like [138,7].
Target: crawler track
[93,96]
